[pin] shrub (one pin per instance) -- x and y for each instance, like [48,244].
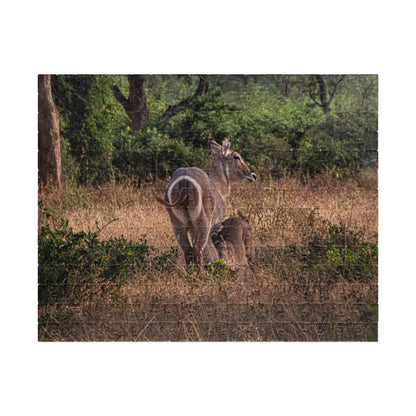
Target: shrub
[208,116]
[217,271]
[150,153]
[89,117]
[341,253]
[268,155]
[75,266]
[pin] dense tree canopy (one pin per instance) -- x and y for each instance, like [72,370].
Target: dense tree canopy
[148,125]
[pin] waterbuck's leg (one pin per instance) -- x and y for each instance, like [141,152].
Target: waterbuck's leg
[180,229]
[198,246]
[197,254]
[181,235]
[202,250]
[210,252]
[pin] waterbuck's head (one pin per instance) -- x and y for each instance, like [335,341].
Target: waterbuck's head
[230,163]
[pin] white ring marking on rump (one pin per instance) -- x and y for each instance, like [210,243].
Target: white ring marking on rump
[197,187]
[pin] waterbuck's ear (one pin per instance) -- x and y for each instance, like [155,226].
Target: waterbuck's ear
[225,147]
[216,229]
[214,146]
[216,236]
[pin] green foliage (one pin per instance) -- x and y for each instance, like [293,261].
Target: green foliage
[219,271]
[262,113]
[319,152]
[166,260]
[76,266]
[270,119]
[268,155]
[208,116]
[340,253]
[89,119]
[150,154]
[271,128]
[156,91]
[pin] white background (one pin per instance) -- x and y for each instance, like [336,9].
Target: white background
[210,37]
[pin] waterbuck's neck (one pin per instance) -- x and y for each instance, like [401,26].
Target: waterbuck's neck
[219,178]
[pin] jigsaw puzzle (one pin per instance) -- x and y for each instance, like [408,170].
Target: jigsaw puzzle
[208,208]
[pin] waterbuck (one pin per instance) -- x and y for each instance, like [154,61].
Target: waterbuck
[234,242]
[195,201]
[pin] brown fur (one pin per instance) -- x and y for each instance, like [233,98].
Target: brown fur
[233,240]
[197,200]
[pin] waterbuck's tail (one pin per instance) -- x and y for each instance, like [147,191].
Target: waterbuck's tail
[180,201]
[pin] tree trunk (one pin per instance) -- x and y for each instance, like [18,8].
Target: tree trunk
[137,111]
[323,94]
[136,104]
[325,99]
[49,140]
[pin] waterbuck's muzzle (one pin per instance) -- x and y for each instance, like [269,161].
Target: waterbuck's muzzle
[252,177]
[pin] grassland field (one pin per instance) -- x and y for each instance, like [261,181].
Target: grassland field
[279,299]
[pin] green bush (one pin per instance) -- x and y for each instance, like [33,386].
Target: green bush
[278,130]
[271,129]
[342,252]
[268,155]
[219,271]
[89,118]
[152,154]
[318,152]
[208,116]
[76,266]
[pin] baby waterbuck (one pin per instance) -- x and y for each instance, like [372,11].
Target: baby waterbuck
[195,201]
[234,242]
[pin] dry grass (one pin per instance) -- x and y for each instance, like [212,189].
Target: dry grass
[275,301]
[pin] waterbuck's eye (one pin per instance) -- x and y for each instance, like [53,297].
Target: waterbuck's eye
[237,157]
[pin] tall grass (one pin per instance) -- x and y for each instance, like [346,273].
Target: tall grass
[289,295]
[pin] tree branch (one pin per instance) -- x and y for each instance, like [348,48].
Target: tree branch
[314,100]
[322,92]
[185,103]
[119,96]
[102,228]
[331,95]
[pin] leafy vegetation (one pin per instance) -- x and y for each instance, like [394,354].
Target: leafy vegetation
[340,252]
[76,266]
[276,121]
[220,272]
[151,154]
